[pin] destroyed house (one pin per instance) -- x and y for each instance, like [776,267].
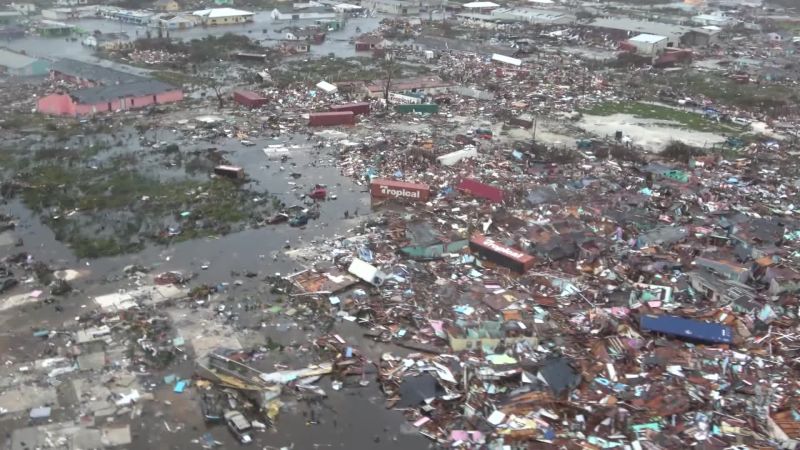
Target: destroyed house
[563,239]
[328,281]
[754,238]
[295,47]
[108,41]
[488,335]
[430,86]
[664,236]
[369,42]
[663,171]
[725,269]
[425,242]
[781,280]
[719,290]
[784,427]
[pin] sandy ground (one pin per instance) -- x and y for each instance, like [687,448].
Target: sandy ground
[652,135]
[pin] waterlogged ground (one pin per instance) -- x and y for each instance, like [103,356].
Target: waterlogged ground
[352,418]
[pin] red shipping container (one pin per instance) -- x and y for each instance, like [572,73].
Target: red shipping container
[249,98]
[481,190]
[331,119]
[357,108]
[506,256]
[383,188]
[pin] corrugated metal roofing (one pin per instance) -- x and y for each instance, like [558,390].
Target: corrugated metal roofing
[101,94]
[641,26]
[93,72]
[14,60]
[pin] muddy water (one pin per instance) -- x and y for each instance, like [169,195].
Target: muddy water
[353,418]
[249,250]
[263,30]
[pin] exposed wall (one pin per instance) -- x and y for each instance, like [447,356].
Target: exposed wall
[229,20]
[56,104]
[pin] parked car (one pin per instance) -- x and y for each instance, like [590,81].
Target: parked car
[299,220]
[318,193]
[239,426]
[211,405]
[741,121]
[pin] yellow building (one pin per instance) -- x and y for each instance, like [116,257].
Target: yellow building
[168,5]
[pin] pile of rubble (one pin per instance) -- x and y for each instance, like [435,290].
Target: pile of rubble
[599,303]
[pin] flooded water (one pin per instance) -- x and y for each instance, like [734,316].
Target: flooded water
[352,418]
[249,250]
[263,30]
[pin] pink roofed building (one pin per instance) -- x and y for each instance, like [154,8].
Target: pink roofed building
[103,90]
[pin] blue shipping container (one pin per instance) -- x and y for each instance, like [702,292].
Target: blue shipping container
[687,328]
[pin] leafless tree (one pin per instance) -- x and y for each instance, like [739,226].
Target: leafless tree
[390,70]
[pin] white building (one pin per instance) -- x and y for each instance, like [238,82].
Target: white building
[535,15]
[717,20]
[648,44]
[79,12]
[480,7]
[396,7]
[107,41]
[304,14]
[170,21]
[24,8]
[223,16]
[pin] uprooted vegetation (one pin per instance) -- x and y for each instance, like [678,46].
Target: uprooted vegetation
[104,203]
[340,69]
[679,151]
[771,98]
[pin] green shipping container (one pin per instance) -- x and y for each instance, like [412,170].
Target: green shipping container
[434,251]
[425,108]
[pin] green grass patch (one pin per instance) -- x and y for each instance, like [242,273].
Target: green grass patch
[360,68]
[681,118]
[767,97]
[24,121]
[174,78]
[102,212]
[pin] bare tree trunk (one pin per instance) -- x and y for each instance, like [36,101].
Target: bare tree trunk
[218,92]
[386,90]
